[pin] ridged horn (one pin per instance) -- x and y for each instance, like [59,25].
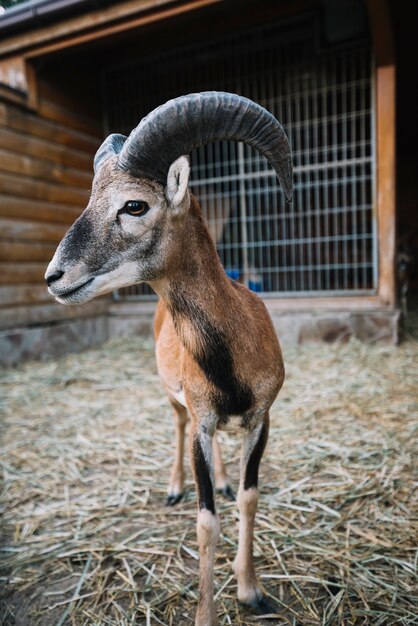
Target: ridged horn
[112,145]
[182,124]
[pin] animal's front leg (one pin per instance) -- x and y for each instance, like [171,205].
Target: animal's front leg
[249,590]
[201,457]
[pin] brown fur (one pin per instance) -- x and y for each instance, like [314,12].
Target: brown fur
[241,318]
[249,590]
[216,349]
[234,310]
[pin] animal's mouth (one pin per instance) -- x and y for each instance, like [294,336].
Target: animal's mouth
[72,296]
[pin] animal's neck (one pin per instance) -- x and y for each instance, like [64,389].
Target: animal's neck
[205,307]
[197,291]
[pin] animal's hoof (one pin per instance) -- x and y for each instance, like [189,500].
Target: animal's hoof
[227,492]
[173,499]
[264,607]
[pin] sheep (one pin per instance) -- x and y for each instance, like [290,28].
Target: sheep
[217,352]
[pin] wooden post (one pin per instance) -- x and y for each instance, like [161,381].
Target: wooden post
[386,182]
[383,46]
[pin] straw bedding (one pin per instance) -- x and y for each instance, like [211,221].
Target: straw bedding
[86,448]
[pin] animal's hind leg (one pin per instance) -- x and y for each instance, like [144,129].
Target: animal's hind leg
[249,590]
[221,479]
[176,484]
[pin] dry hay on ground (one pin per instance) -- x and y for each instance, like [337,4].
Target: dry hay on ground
[86,450]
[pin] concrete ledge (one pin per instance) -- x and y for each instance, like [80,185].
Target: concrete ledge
[370,326]
[293,326]
[133,318]
[129,319]
[53,340]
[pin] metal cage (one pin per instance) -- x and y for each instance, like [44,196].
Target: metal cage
[324,243]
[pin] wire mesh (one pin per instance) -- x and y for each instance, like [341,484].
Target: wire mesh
[325,241]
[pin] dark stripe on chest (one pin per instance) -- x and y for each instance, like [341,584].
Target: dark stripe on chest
[231,395]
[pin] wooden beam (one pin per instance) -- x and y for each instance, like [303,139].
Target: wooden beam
[381,29]
[120,27]
[119,16]
[91,20]
[384,52]
[386,181]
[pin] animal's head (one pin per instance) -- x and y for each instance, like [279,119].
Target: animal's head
[140,192]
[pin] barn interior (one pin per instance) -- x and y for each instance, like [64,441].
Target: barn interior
[327,256]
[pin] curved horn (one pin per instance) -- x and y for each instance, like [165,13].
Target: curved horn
[180,125]
[112,145]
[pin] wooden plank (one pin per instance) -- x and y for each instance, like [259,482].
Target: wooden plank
[45,149]
[26,251]
[17,316]
[31,124]
[386,181]
[25,230]
[27,208]
[21,273]
[39,168]
[28,187]
[24,294]
[10,95]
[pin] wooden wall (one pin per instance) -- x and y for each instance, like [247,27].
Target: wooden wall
[45,174]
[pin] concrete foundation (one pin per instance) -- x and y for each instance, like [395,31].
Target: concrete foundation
[370,326]
[52,340]
[129,319]
[292,327]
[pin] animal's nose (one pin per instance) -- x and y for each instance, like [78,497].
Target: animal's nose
[53,277]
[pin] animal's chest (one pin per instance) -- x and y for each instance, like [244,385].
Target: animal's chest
[211,376]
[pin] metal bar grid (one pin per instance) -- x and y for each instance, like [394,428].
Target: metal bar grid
[325,242]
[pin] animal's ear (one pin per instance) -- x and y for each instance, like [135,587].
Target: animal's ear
[177,181]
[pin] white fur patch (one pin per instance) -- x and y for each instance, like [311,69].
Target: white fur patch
[180,397]
[123,276]
[207,528]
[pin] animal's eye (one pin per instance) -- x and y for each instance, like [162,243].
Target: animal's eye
[136,207]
